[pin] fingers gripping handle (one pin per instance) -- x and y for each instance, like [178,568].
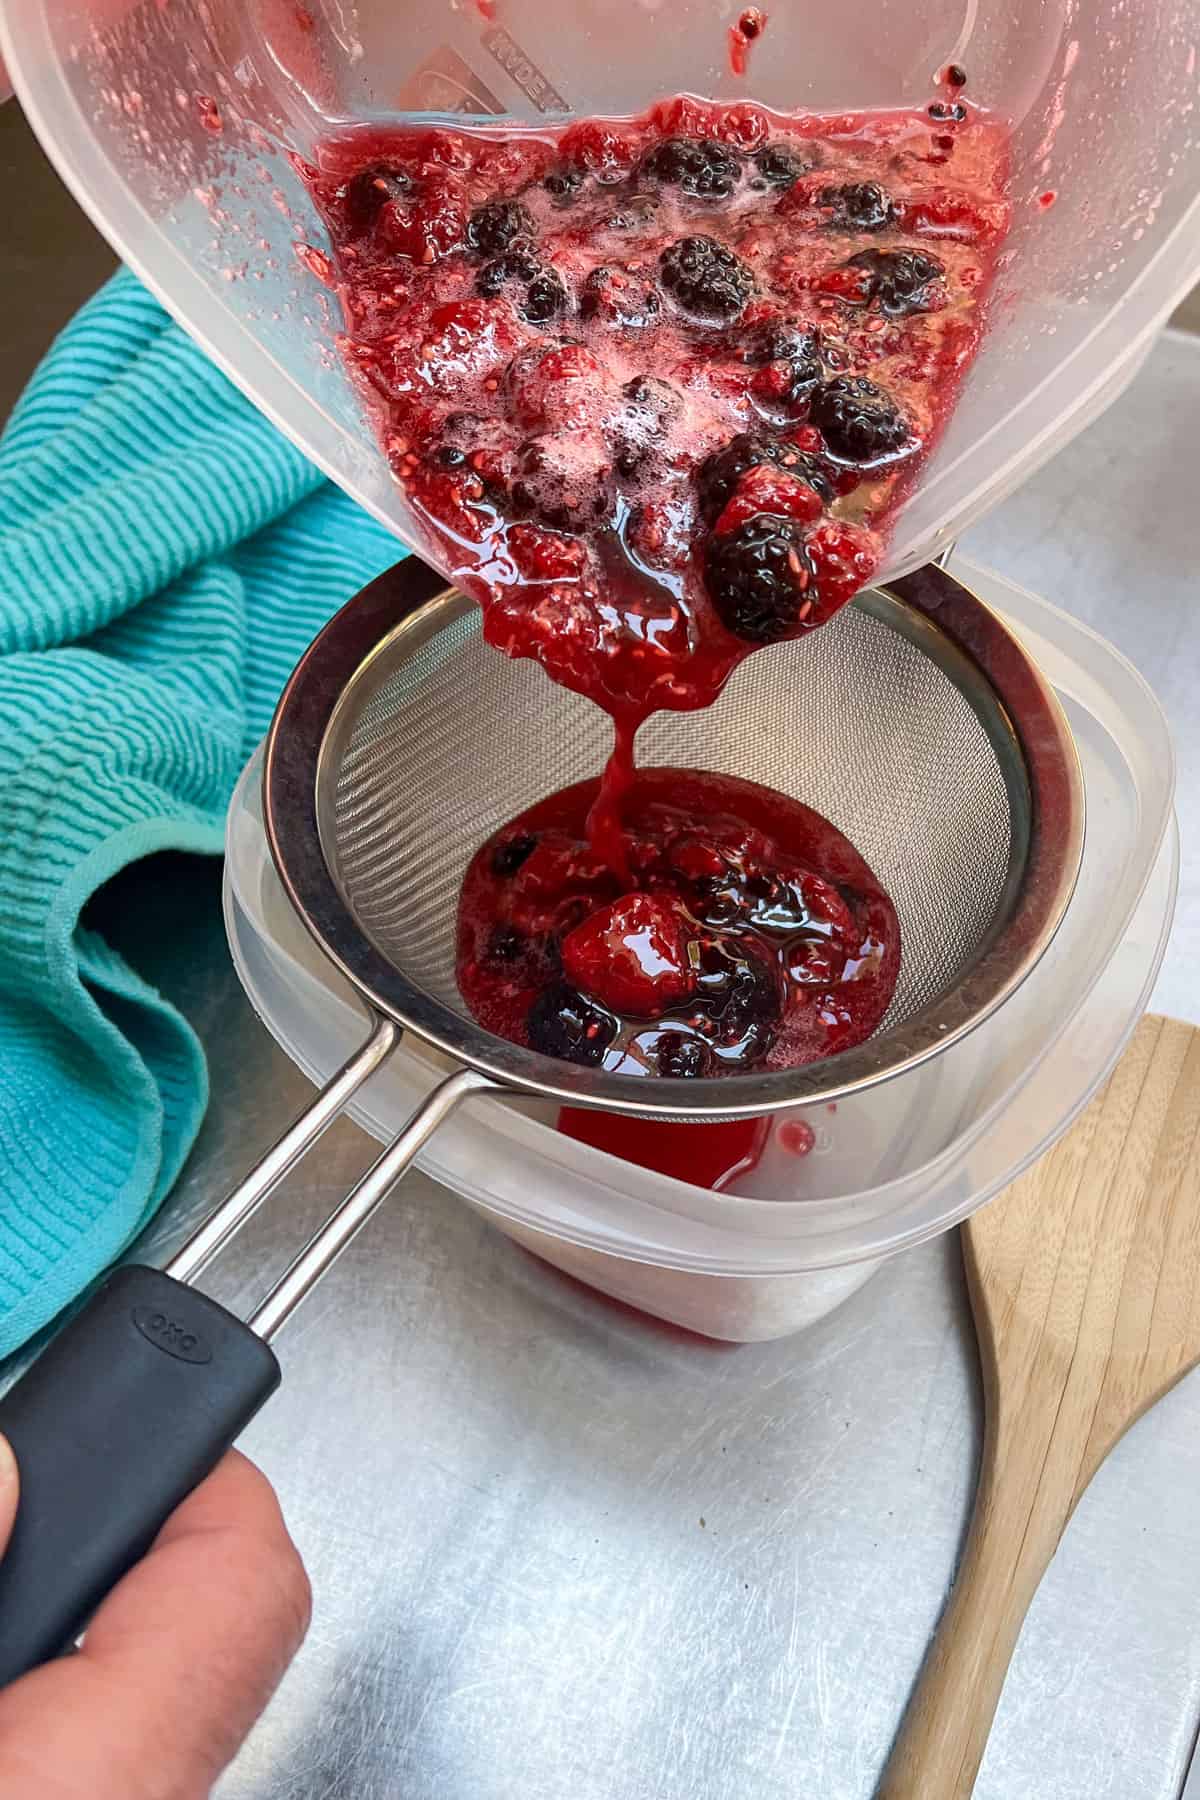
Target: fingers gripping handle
[129,1408]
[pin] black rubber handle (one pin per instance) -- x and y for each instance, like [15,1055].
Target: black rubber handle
[129,1408]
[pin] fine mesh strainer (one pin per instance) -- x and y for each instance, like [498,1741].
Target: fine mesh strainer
[913,720]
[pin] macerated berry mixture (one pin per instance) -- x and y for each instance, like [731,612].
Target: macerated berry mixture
[746,933]
[655,388]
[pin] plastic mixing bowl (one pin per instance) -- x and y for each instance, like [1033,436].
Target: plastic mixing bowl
[171,120]
[888,1169]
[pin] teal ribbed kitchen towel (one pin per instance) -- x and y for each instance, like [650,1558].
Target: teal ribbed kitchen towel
[165,555]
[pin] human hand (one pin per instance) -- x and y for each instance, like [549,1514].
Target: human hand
[177,1663]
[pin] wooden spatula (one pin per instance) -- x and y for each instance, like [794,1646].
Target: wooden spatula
[1085,1284]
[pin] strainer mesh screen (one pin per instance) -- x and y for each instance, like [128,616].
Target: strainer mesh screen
[855,721]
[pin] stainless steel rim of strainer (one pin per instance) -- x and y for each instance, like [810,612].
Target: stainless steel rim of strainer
[1019,712]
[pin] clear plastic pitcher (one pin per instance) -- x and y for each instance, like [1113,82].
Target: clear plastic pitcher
[172,120]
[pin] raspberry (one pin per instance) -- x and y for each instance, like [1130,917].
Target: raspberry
[492,228]
[860,422]
[562,387]
[744,125]
[844,558]
[720,474]
[681,1057]
[456,498]
[631,956]
[508,857]
[859,206]
[706,279]
[898,279]
[602,151]
[658,536]
[543,556]
[562,1023]
[764,489]
[426,227]
[620,299]
[760,578]
[543,295]
[697,166]
[464,340]
[951,213]
[778,167]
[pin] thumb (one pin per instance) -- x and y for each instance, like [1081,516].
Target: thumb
[10,1484]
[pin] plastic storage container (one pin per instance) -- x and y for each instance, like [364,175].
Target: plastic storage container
[172,122]
[888,1169]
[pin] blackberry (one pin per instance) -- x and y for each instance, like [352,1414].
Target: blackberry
[773,903]
[564,182]
[620,298]
[706,279]
[696,166]
[682,1058]
[898,278]
[741,991]
[952,110]
[565,480]
[774,340]
[463,424]
[494,227]
[720,473]
[635,215]
[860,422]
[795,353]
[653,396]
[650,405]
[505,945]
[544,295]
[508,857]
[562,1023]
[370,190]
[760,578]
[778,167]
[859,206]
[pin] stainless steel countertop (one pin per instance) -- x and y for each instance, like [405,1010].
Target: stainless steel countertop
[560,1550]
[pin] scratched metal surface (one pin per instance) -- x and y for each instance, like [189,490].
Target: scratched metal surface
[559,1550]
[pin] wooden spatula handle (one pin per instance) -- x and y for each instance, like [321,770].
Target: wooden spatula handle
[1085,1285]
[1014,1532]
